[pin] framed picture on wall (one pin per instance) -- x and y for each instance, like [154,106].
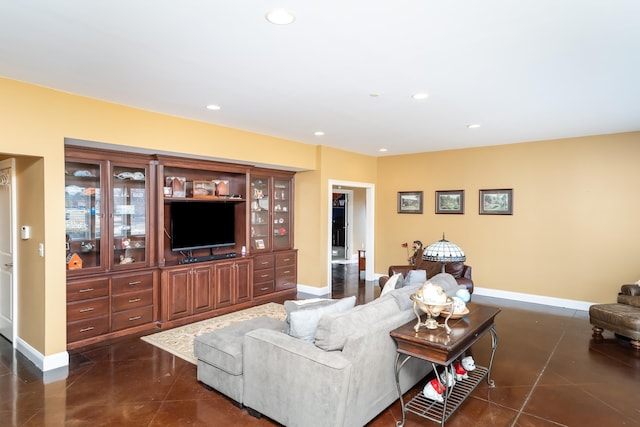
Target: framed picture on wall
[410,202]
[450,202]
[496,202]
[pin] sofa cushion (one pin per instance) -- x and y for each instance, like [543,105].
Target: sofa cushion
[395,282]
[401,296]
[303,304]
[303,320]
[222,348]
[415,277]
[334,329]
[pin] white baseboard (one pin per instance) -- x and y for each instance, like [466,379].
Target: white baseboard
[42,362]
[535,299]
[312,290]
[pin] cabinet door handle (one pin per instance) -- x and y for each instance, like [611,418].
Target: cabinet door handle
[135,300]
[90,328]
[131,319]
[86,310]
[137,282]
[85,290]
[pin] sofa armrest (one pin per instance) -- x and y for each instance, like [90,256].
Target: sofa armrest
[294,382]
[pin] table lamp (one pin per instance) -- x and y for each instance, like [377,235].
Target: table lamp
[443,251]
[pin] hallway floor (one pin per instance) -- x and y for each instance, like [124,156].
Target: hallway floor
[548,372]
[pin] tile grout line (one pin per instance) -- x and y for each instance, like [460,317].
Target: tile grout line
[535,384]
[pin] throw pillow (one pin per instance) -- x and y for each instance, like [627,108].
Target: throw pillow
[392,284]
[447,282]
[415,277]
[303,322]
[303,304]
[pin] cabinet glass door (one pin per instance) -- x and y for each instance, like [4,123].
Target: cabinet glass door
[260,213]
[282,214]
[129,213]
[83,211]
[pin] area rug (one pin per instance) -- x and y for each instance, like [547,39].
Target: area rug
[179,341]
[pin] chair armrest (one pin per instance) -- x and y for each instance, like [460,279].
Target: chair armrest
[466,272]
[404,269]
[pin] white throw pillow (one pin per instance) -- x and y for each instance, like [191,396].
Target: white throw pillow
[391,284]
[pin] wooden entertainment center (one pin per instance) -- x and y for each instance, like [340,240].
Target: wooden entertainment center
[123,276]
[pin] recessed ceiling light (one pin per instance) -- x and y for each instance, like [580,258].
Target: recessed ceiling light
[280,16]
[420,95]
[473,126]
[383,150]
[213,107]
[318,133]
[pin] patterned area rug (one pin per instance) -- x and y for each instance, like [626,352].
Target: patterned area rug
[179,341]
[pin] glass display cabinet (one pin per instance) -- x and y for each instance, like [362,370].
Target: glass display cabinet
[271,213]
[83,215]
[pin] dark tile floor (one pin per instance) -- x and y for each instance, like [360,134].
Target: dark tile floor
[548,372]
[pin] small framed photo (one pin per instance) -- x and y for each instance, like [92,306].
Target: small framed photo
[410,202]
[260,244]
[450,202]
[496,202]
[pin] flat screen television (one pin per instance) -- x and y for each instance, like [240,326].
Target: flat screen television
[201,225]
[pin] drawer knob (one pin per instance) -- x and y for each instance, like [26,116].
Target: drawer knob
[135,300]
[85,290]
[264,275]
[287,272]
[137,282]
[266,288]
[131,319]
[90,328]
[85,310]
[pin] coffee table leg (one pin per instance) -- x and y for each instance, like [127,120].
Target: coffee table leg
[399,365]
[494,345]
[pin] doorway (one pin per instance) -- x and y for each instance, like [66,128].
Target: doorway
[365,221]
[7,249]
[341,226]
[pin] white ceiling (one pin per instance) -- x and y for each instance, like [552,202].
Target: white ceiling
[525,70]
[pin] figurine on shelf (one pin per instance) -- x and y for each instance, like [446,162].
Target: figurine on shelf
[433,390]
[125,260]
[468,363]
[461,373]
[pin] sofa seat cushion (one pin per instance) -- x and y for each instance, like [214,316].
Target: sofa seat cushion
[222,348]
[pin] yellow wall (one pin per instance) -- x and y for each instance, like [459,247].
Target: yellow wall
[574,233]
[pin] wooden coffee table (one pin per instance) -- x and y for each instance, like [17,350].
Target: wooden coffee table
[442,350]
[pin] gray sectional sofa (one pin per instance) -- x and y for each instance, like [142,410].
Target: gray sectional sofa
[345,377]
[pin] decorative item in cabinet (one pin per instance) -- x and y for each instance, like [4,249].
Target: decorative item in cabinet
[178,186]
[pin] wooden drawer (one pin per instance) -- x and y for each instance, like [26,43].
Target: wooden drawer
[132,282]
[263,275]
[88,328]
[285,258]
[262,262]
[85,309]
[131,318]
[263,288]
[131,300]
[285,277]
[87,289]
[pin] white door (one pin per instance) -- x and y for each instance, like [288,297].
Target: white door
[7,248]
